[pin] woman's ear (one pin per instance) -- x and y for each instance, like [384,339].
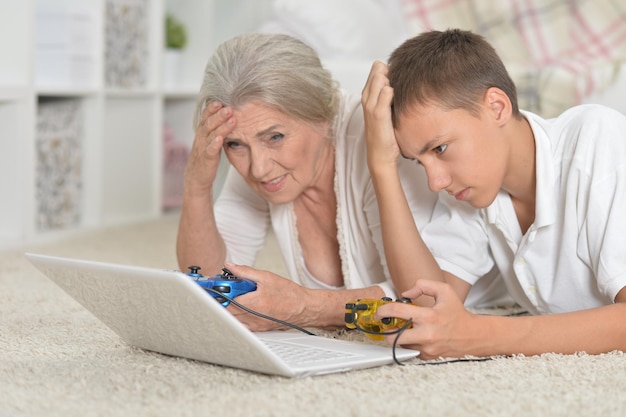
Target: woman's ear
[498,105]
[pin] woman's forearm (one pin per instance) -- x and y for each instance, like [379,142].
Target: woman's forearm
[199,242]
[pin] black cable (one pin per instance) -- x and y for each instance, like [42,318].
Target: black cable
[397,332]
[447,361]
[395,340]
[256,313]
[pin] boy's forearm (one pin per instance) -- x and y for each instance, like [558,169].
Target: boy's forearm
[408,258]
[594,331]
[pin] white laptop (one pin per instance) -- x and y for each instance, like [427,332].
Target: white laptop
[165,311]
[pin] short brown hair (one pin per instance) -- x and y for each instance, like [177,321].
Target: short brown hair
[452,68]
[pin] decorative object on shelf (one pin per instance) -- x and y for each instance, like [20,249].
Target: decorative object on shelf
[65,47]
[59,164]
[175,156]
[175,33]
[126,43]
[175,42]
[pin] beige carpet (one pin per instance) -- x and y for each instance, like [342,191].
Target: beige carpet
[58,360]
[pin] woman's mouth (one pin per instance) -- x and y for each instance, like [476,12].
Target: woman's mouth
[274,185]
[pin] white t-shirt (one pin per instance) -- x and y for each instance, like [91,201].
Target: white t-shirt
[243,217]
[572,256]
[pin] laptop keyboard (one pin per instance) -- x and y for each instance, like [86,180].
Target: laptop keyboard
[298,354]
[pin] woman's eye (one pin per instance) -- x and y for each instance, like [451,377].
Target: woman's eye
[232,145]
[276,137]
[440,149]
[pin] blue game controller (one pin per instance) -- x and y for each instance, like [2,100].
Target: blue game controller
[226,284]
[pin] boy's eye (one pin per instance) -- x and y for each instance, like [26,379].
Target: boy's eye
[417,161]
[440,149]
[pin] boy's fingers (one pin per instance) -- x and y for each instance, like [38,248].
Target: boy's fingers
[434,289]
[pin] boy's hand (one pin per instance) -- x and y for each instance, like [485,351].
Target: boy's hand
[376,99]
[443,330]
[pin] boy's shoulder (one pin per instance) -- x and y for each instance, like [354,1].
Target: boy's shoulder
[590,112]
[592,135]
[583,135]
[578,114]
[593,122]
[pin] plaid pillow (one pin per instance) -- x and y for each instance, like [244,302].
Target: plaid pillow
[557,51]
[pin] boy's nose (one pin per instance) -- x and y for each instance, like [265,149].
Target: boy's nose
[438,180]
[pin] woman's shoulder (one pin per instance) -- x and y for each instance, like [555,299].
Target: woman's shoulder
[349,115]
[349,126]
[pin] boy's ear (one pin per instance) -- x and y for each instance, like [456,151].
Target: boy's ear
[498,105]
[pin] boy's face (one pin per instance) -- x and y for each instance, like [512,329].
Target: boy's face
[463,154]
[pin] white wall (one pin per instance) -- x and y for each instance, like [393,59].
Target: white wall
[238,16]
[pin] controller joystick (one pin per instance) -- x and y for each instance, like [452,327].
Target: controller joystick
[360,314]
[226,284]
[193,271]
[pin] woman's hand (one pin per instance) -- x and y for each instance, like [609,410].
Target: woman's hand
[275,296]
[376,99]
[446,329]
[217,122]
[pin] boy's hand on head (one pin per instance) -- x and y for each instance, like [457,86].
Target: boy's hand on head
[217,122]
[376,99]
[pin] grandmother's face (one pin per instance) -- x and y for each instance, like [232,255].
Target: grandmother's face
[278,156]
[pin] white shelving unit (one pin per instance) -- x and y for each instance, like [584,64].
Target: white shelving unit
[62,51]
[16,120]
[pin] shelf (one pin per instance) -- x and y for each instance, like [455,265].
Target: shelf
[131,156]
[105,58]
[16,169]
[67,53]
[16,21]
[66,92]
[59,164]
[13,92]
[130,93]
[181,94]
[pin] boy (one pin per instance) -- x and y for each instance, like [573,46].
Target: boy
[543,201]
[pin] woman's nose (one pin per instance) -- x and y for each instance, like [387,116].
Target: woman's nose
[260,163]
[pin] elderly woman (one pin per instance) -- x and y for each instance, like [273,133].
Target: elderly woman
[296,147]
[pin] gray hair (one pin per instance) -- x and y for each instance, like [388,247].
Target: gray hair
[277,70]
